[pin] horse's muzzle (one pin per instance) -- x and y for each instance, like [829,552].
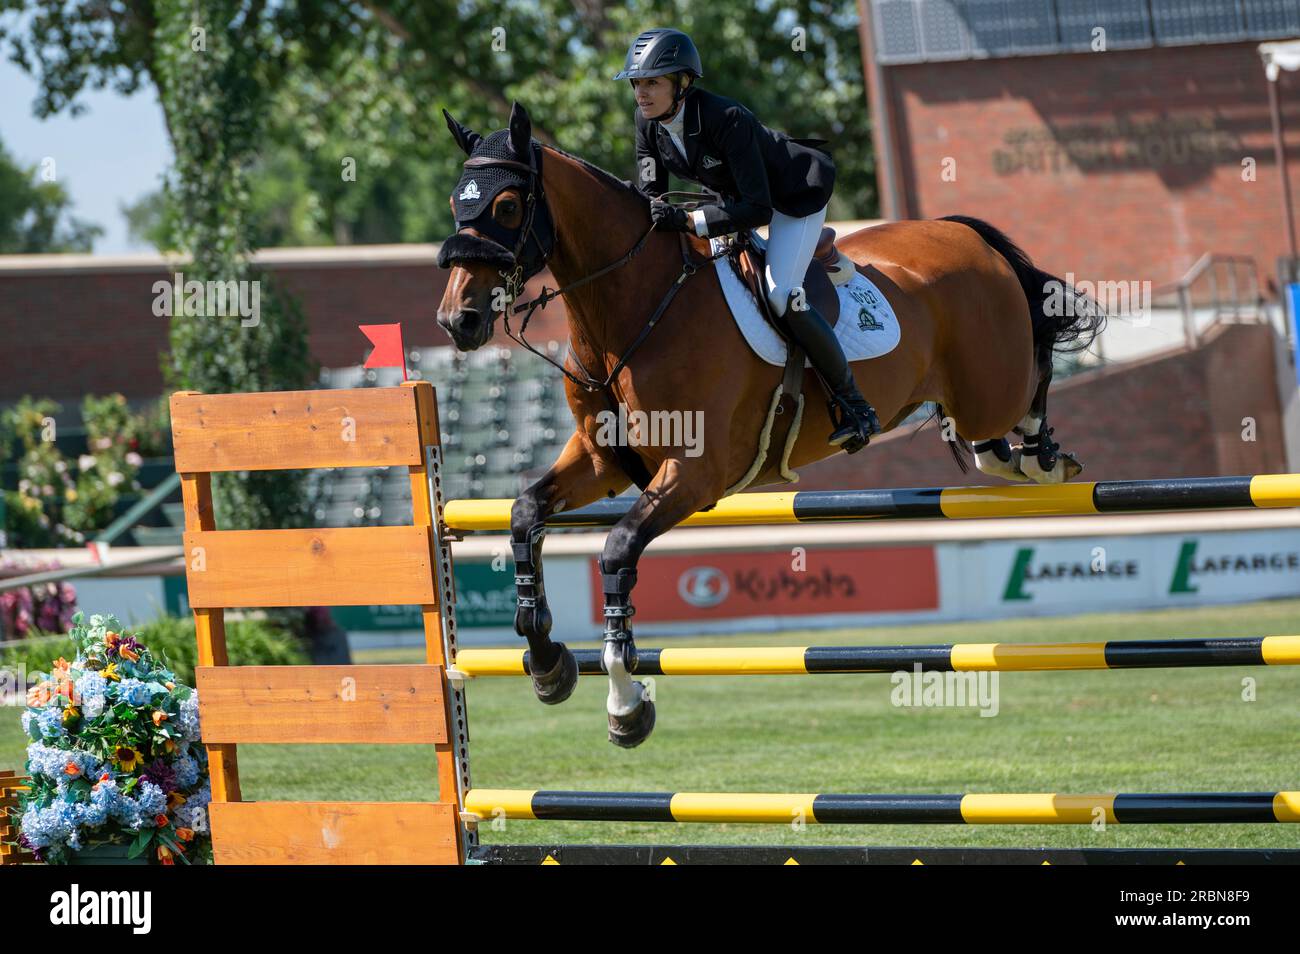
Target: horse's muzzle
[468,328]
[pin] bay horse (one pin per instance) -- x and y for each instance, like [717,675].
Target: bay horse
[978,330]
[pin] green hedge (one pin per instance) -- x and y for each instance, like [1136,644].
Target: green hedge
[250,643]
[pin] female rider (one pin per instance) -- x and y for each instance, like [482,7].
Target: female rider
[763,178]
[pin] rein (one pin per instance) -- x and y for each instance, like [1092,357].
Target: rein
[591,384]
[515,279]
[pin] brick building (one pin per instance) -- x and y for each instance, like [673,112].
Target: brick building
[1116,139]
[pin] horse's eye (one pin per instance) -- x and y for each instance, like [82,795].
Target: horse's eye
[506,208]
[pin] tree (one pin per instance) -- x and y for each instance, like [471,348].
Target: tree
[365,80]
[34,214]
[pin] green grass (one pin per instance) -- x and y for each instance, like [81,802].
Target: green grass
[1129,731]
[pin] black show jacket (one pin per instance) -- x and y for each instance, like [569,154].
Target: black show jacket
[753,169]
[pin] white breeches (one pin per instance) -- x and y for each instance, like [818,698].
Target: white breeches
[790,246]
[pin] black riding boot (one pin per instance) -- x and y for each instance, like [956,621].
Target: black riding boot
[857,420]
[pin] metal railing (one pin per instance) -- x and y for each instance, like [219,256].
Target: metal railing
[1225,286]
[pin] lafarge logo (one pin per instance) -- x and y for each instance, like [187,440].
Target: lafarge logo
[1025,571]
[1222,565]
[75,907]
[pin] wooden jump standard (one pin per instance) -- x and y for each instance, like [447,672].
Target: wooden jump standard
[412,565]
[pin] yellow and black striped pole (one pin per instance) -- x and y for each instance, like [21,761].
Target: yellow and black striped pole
[1034,809]
[959,657]
[819,506]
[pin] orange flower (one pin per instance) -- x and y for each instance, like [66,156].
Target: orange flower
[175,800]
[169,746]
[61,665]
[165,855]
[39,695]
[71,770]
[185,834]
[170,686]
[160,821]
[127,653]
[159,717]
[111,640]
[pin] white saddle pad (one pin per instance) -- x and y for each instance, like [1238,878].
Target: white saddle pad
[868,327]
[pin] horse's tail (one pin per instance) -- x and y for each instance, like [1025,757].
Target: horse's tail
[958,446]
[1064,320]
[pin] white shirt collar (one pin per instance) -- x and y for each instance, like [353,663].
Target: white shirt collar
[677,124]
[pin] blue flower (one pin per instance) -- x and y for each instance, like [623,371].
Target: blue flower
[187,772]
[151,798]
[134,692]
[52,762]
[50,722]
[193,814]
[91,686]
[55,825]
[187,718]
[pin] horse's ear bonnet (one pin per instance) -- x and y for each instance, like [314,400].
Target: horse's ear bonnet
[479,185]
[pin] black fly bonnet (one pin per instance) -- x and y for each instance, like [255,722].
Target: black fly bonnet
[518,253]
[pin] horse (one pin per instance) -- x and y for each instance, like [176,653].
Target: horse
[979,326]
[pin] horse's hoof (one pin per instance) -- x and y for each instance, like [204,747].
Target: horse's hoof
[1014,473]
[629,731]
[555,686]
[1073,466]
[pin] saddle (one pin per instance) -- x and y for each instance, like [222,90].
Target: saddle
[828,269]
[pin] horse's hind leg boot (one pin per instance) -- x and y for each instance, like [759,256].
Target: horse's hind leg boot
[554,670]
[631,714]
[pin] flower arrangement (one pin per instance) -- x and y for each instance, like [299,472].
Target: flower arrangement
[115,756]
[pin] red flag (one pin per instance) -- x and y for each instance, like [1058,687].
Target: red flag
[388,352]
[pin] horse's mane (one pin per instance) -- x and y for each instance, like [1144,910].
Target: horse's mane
[608,178]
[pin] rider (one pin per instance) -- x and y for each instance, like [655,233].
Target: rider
[763,177]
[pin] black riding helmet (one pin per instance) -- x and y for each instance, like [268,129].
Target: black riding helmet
[659,52]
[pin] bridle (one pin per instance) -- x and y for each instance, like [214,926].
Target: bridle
[518,275]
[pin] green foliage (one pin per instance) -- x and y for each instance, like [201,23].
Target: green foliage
[211,67]
[34,214]
[34,513]
[352,80]
[251,642]
[60,501]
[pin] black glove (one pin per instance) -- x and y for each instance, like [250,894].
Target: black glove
[670,218]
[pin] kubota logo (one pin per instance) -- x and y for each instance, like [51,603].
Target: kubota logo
[703,586]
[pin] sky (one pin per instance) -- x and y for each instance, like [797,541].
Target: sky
[109,156]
